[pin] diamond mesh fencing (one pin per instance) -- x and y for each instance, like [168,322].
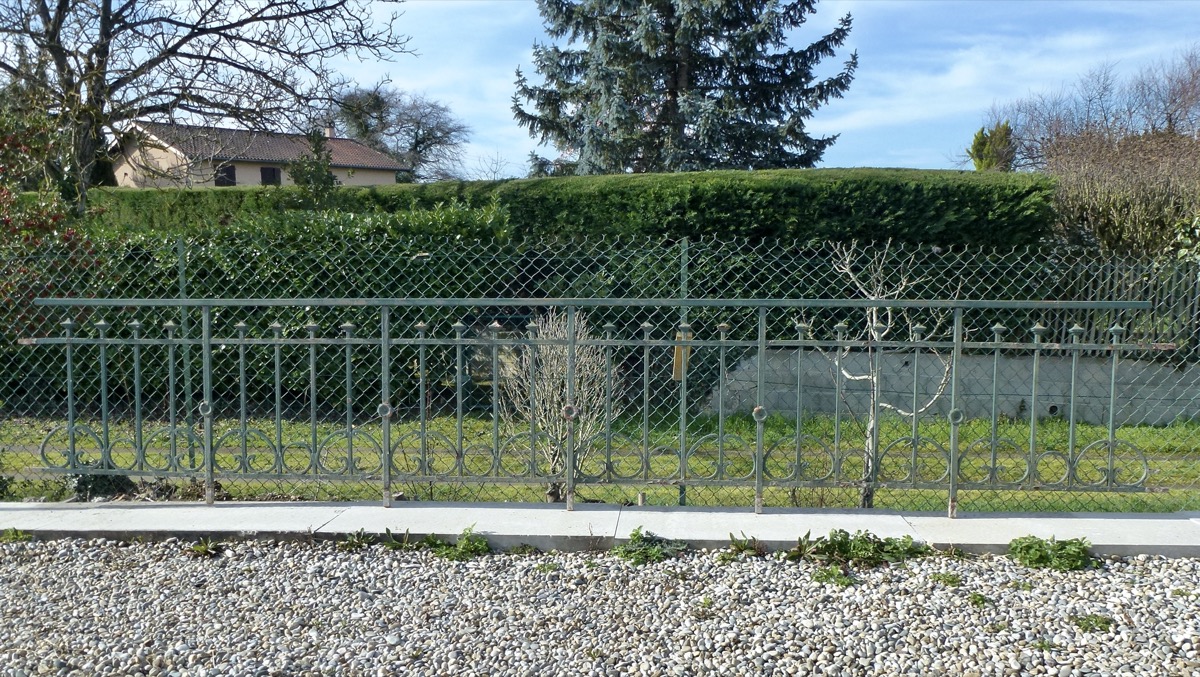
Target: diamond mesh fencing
[689,372]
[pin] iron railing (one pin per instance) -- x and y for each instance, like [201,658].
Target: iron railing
[636,407]
[300,363]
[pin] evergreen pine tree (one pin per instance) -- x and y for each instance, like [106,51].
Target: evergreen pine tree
[679,85]
[993,150]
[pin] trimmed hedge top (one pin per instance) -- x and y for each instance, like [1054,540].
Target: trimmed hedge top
[917,206]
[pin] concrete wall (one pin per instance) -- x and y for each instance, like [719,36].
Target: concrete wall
[1146,392]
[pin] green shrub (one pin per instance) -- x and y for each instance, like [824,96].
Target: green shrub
[947,208]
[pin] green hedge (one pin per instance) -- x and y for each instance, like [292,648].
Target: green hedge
[915,206]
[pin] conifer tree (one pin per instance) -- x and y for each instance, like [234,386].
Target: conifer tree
[679,85]
[993,150]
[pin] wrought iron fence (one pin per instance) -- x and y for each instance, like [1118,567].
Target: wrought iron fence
[758,397]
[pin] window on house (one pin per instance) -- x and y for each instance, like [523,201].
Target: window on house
[271,176]
[226,176]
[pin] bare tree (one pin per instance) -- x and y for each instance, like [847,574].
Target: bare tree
[493,168]
[539,385]
[98,64]
[420,132]
[880,272]
[1125,152]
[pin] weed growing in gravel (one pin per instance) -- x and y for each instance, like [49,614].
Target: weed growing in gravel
[205,548]
[1180,592]
[1039,553]
[524,549]
[1093,622]
[952,552]
[646,546]
[355,541]
[704,610]
[15,536]
[468,546]
[1000,626]
[1044,645]
[862,549]
[547,567]
[979,600]
[947,579]
[740,548]
[1024,586]
[390,542]
[833,575]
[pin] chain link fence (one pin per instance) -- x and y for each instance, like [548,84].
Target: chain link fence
[1066,407]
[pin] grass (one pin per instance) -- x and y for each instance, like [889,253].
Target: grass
[617,476]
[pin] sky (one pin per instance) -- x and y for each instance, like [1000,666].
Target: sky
[928,72]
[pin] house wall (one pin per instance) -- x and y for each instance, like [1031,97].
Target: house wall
[160,168]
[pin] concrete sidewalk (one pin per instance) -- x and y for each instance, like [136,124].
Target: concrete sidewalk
[593,526]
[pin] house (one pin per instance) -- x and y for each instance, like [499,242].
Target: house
[155,154]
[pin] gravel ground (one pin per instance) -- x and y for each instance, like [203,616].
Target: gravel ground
[74,607]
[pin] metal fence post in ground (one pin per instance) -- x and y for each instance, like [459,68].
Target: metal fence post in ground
[570,411]
[206,407]
[1118,333]
[185,349]
[385,404]
[685,335]
[760,410]
[72,453]
[956,414]
[105,446]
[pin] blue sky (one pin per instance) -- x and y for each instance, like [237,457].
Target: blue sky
[928,69]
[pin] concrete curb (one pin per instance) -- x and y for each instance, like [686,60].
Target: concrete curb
[592,526]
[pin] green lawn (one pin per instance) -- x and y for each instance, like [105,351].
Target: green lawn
[637,460]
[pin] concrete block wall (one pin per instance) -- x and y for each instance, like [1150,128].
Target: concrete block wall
[1146,392]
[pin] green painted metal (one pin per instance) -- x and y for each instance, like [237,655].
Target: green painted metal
[450,442]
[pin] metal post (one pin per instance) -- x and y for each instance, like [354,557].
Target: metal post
[459,369]
[423,399]
[351,465]
[571,412]
[685,333]
[385,401]
[760,410]
[72,454]
[206,407]
[1076,332]
[1038,332]
[1118,333]
[277,340]
[956,414]
[105,445]
[998,331]
[172,435]
[314,456]
[243,414]
[609,328]
[135,329]
[181,256]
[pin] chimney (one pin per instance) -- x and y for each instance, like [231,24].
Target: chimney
[329,132]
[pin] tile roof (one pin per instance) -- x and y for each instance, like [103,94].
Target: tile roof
[240,145]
